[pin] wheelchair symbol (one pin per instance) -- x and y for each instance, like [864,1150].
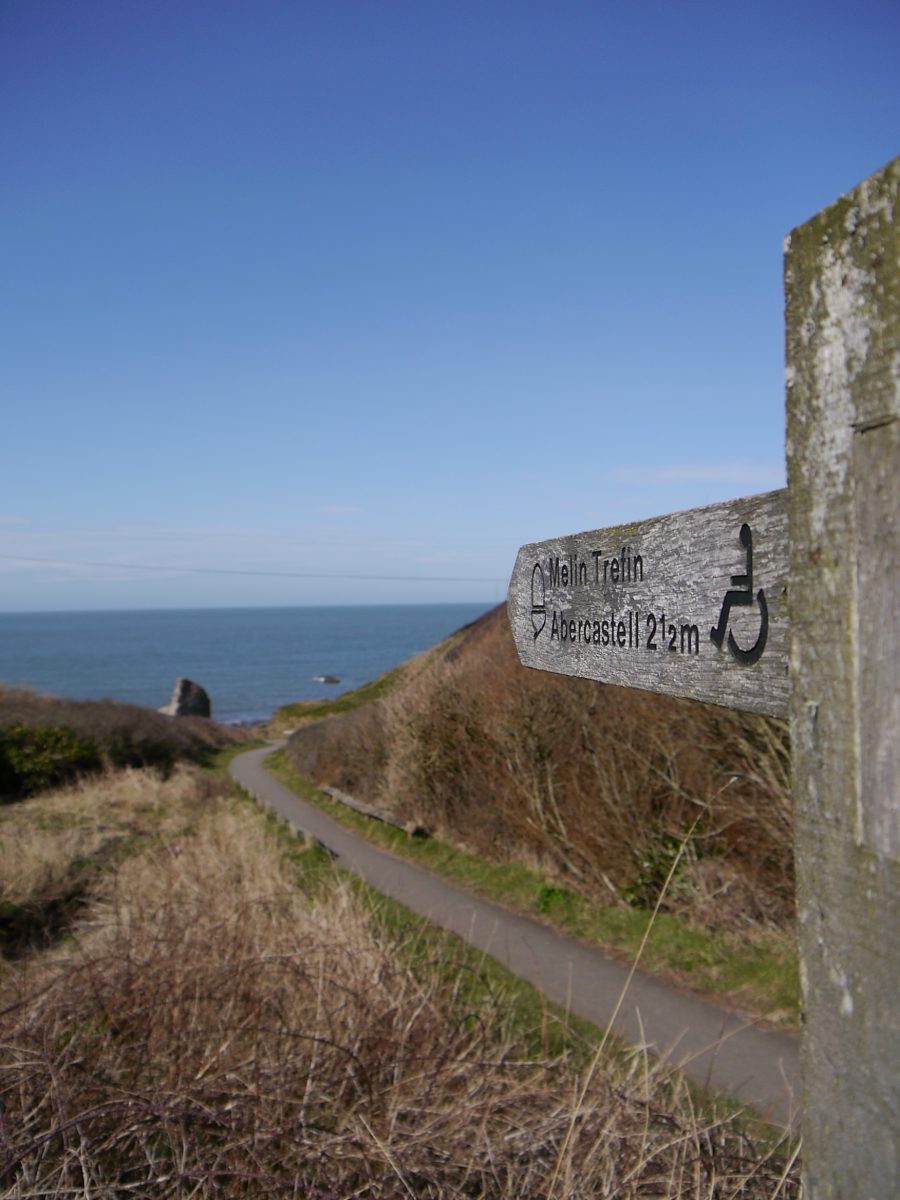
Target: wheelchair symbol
[740,595]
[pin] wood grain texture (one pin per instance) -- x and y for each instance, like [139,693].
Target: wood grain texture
[842,304]
[605,622]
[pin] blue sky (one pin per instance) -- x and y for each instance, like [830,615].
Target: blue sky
[389,288]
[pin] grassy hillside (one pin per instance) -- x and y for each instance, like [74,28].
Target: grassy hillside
[596,787]
[47,740]
[304,712]
[224,1015]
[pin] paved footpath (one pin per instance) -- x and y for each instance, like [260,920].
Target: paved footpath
[711,1045]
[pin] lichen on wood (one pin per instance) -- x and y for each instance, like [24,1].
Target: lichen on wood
[842,303]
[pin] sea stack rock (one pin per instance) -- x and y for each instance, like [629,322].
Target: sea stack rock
[189,699]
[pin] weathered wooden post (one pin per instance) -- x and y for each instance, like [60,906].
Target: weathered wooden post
[842,292]
[707,604]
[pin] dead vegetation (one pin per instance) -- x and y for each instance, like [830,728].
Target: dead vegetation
[596,784]
[208,1029]
[54,845]
[108,722]
[47,740]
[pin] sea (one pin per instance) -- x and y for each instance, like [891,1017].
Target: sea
[249,660]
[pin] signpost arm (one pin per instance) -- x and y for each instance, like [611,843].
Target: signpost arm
[842,297]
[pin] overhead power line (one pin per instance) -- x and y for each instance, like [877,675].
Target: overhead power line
[78,562]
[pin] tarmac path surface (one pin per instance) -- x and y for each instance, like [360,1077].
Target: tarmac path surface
[714,1047]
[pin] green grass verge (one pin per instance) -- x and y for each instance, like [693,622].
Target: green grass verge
[315,710]
[545,1029]
[756,972]
[219,760]
[306,711]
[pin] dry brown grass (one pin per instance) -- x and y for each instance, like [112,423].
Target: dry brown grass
[53,846]
[210,1032]
[596,783]
[132,735]
[46,839]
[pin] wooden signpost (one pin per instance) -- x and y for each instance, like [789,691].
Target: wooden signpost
[692,604]
[789,604]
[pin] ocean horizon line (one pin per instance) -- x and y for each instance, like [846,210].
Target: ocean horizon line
[250,659]
[190,608]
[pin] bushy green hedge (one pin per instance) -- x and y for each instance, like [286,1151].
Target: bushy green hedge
[42,756]
[46,741]
[124,749]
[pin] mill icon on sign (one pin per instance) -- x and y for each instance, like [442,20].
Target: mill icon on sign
[538,600]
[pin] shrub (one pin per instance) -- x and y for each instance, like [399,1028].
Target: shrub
[597,784]
[47,740]
[42,756]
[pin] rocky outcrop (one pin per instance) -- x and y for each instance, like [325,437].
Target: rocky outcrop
[189,699]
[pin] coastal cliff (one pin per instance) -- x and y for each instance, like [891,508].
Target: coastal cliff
[596,784]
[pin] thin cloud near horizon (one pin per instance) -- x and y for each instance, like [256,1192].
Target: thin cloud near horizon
[737,473]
